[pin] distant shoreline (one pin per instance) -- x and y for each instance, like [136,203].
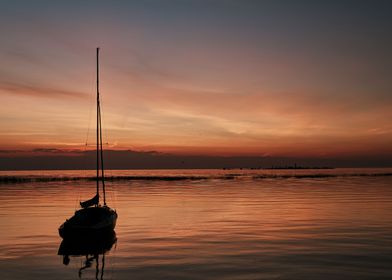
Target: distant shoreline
[281,167]
[14,179]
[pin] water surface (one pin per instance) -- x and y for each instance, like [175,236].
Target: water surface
[233,224]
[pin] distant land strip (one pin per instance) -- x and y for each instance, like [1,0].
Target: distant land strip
[27,179]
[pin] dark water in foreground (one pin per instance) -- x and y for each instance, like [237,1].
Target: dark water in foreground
[225,225]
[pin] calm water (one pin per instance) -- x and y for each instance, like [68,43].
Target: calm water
[231,224]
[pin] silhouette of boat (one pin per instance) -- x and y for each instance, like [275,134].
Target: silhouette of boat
[89,247]
[93,218]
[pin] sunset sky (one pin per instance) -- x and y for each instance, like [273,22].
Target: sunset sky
[224,77]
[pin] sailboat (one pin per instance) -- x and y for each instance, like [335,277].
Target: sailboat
[93,219]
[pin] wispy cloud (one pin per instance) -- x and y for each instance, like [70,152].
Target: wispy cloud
[31,90]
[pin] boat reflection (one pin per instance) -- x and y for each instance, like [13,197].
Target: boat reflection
[92,247]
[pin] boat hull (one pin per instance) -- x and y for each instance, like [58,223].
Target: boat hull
[90,222]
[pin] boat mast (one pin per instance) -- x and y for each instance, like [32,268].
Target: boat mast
[99,140]
[97,125]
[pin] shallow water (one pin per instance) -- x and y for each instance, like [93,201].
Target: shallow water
[220,227]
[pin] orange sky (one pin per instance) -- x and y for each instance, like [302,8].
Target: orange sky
[222,79]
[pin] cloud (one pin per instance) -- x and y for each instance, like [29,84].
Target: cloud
[37,91]
[284,111]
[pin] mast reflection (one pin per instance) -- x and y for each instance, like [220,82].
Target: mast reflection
[92,247]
